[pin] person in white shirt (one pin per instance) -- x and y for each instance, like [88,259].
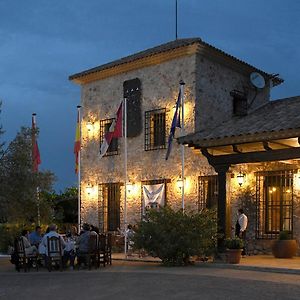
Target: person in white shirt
[52,232]
[241,227]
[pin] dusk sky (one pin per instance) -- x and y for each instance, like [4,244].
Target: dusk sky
[42,42]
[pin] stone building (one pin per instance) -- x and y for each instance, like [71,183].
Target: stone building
[233,131]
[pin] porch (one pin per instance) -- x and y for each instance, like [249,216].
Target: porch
[264,144]
[263,263]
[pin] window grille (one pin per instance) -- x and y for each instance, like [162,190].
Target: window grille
[155,129]
[274,198]
[207,191]
[109,206]
[104,127]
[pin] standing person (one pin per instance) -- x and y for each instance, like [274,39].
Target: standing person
[241,227]
[35,237]
[129,235]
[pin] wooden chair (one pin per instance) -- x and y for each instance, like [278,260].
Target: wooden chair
[93,255]
[54,252]
[24,260]
[108,248]
[102,250]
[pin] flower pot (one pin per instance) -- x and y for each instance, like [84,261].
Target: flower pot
[284,248]
[234,256]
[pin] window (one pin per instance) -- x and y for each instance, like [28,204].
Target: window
[109,206]
[274,196]
[104,127]
[240,104]
[208,191]
[155,129]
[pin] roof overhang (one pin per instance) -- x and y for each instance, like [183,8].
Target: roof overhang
[262,148]
[164,53]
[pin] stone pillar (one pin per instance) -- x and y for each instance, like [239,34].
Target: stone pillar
[222,203]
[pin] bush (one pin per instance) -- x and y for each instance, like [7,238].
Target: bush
[284,235]
[174,236]
[234,243]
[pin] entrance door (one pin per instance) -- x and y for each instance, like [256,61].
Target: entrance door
[109,203]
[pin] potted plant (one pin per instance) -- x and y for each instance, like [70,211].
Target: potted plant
[285,246]
[234,248]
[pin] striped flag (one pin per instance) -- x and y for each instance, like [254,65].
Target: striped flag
[36,158]
[115,131]
[77,144]
[175,123]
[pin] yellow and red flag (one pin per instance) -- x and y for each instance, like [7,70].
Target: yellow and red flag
[77,144]
[36,158]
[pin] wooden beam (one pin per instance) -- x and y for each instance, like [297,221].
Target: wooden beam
[251,157]
[266,146]
[235,149]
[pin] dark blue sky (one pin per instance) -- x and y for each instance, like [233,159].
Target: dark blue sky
[42,42]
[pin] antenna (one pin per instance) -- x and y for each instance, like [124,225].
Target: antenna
[176,34]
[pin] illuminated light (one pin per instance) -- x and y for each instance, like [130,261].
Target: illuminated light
[240,178]
[288,190]
[89,189]
[129,186]
[90,127]
[180,183]
[274,189]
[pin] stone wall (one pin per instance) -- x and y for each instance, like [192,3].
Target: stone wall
[100,100]
[214,82]
[248,189]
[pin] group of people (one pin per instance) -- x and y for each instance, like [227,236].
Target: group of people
[73,244]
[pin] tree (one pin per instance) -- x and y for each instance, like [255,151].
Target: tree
[20,201]
[2,200]
[65,205]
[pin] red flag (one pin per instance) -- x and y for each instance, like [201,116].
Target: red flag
[36,158]
[115,131]
[77,144]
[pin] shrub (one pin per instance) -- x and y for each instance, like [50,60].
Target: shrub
[284,235]
[174,236]
[234,243]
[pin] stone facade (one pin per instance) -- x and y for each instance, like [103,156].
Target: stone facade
[207,104]
[214,82]
[100,100]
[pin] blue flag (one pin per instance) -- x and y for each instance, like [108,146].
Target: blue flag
[175,123]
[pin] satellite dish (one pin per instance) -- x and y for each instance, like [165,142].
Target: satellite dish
[257,80]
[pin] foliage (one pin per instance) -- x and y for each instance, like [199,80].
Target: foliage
[65,205]
[284,235]
[19,185]
[174,236]
[234,243]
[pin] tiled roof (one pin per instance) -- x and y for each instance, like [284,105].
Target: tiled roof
[276,116]
[164,48]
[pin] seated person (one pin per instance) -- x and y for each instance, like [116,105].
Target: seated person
[52,232]
[83,242]
[29,250]
[69,250]
[35,237]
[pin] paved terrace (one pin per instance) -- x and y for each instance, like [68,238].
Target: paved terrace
[149,280]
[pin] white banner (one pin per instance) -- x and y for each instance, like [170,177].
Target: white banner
[154,195]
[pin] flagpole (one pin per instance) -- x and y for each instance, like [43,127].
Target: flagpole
[78,173]
[37,187]
[182,146]
[125,166]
